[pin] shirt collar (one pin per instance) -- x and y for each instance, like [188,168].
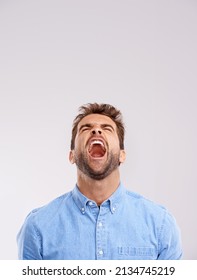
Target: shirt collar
[113,201]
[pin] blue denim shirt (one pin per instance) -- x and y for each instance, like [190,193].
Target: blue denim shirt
[125,227]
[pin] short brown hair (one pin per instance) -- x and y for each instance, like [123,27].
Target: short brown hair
[103,109]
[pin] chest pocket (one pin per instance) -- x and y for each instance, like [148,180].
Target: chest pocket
[137,253]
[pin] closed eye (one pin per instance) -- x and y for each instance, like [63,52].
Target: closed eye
[108,128]
[85,127]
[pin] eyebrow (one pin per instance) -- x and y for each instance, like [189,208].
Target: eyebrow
[89,125]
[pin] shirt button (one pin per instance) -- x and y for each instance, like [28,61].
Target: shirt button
[83,210]
[100,252]
[90,203]
[100,224]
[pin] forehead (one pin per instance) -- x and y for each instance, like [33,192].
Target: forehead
[97,119]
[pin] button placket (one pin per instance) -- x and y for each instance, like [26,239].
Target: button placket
[101,236]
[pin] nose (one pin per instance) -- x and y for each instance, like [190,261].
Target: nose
[96,131]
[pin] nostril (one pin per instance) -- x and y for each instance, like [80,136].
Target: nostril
[96,131]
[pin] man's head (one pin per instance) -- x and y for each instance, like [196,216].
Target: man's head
[97,145]
[102,109]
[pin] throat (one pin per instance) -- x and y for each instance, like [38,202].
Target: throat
[97,151]
[98,190]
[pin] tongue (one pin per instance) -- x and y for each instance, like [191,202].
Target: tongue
[97,151]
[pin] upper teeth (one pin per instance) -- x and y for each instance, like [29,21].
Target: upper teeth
[97,142]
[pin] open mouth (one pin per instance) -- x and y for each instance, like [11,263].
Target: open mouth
[97,148]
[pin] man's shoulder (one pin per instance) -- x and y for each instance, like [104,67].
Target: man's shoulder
[49,210]
[141,202]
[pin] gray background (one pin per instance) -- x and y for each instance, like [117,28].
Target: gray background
[137,55]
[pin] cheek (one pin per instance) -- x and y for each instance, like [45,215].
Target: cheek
[79,144]
[115,141]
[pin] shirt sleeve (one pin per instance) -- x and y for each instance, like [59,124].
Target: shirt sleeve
[29,241]
[170,247]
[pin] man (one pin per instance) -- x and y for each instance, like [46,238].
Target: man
[99,218]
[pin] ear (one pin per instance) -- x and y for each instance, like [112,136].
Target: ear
[72,156]
[122,156]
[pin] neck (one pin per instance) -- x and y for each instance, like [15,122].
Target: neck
[98,190]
